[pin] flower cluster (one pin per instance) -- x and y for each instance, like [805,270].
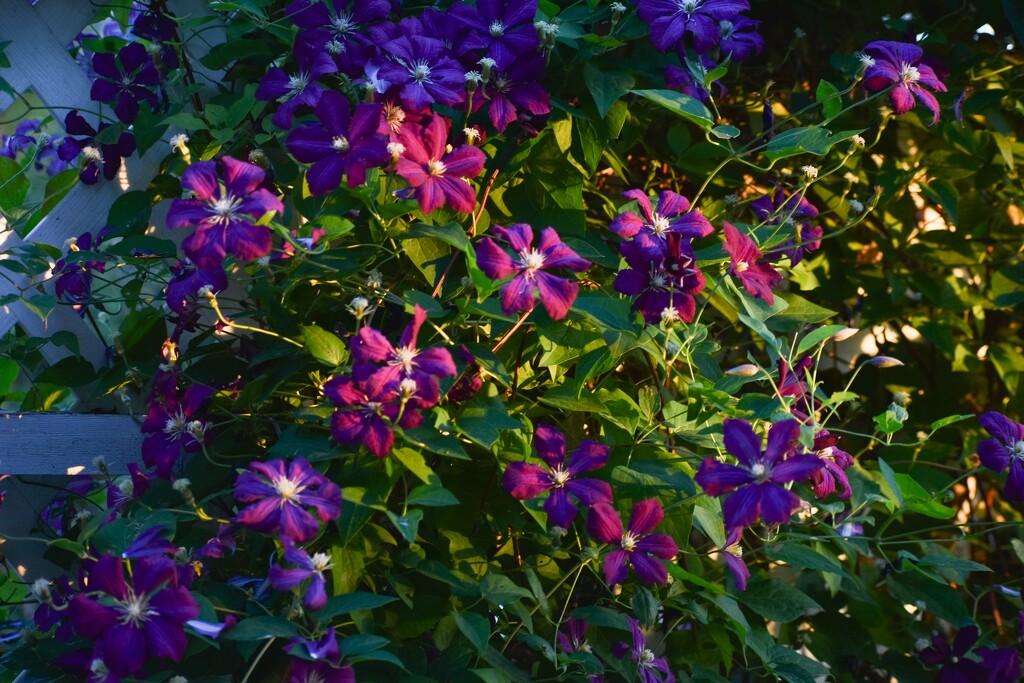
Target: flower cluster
[663,274]
[172,425]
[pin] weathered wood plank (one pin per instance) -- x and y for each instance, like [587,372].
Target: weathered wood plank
[62,443]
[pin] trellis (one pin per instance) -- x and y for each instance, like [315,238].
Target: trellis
[42,445]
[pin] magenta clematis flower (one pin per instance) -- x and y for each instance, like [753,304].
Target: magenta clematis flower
[756,486]
[172,425]
[338,27]
[367,413]
[524,480]
[125,79]
[664,282]
[188,280]
[556,294]
[423,72]
[437,176]
[74,280]
[307,568]
[899,65]
[835,462]
[732,553]
[671,20]
[133,621]
[280,494]
[1005,450]
[574,640]
[756,277]
[636,545]
[95,156]
[956,666]
[672,215]
[406,361]
[298,89]
[344,143]
[224,212]
[649,669]
[505,28]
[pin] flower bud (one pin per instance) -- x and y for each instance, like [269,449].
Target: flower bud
[843,335]
[745,370]
[885,362]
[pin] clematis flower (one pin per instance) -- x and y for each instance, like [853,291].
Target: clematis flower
[672,215]
[340,28]
[505,28]
[663,281]
[780,208]
[74,280]
[133,621]
[689,79]
[188,280]
[297,89]
[344,143]
[965,663]
[95,156]
[512,92]
[671,20]
[524,480]
[739,39]
[302,671]
[835,462]
[1005,450]
[125,79]
[756,277]
[159,28]
[636,545]
[732,553]
[224,212]
[649,669]
[573,640]
[307,568]
[756,485]
[406,361]
[423,73]
[172,425]
[280,494]
[367,413]
[899,65]
[437,176]
[556,294]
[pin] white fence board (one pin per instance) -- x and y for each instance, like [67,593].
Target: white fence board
[66,443]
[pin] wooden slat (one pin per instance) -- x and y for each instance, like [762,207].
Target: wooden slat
[62,443]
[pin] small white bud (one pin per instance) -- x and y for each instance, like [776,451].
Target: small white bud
[126,487]
[374,279]
[799,33]
[851,178]
[396,149]
[859,141]
[181,484]
[472,135]
[618,7]
[745,370]
[731,200]
[811,172]
[856,206]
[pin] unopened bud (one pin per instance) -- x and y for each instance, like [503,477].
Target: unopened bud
[843,335]
[745,370]
[885,362]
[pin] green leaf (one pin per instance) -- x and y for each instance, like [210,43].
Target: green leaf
[707,513]
[68,372]
[606,87]
[185,121]
[828,96]
[725,132]
[431,496]
[361,643]
[500,590]
[945,194]
[261,628]
[890,479]
[130,212]
[891,421]
[475,627]
[417,464]
[324,346]
[429,254]
[484,418]
[952,419]
[815,337]
[777,600]
[352,602]
[8,373]
[14,184]
[802,556]
[645,607]
[806,140]
[41,304]
[408,524]
[679,104]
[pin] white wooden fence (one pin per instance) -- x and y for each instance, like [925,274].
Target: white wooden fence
[37,447]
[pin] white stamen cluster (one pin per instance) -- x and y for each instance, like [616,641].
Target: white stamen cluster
[396,149]
[669,316]
[436,167]
[533,260]
[406,358]
[339,143]
[618,7]
[811,172]
[92,154]
[496,29]
[856,206]
[866,61]
[420,72]
[560,476]
[359,307]
[287,488]
[759,471]
[224,208]
[134,610]
[909,73]
[628,541]
[660,224]
[321,562]
[374,278]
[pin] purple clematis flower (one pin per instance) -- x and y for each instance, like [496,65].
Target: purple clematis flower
[738,38]
[314,595]
[835,462]
[344,143]
[649,669]
[636,545]
[732,553]
[188,280]
[780,208]
[573,640]
[423,72]
[94,155]
[671,20]
[672,215]
[74,280]
[133,621]
[756,486]
[662,280]
[524,480]
[439,177]
[302,671]
[159,28]
[367,413]
[406,361]
[514,91]
[280,494]
[556,294]
[1005,450]
[224,212]
[172,425]
[340,28]
[505,28]
[298,89]
[957,665]
[899,65]
[756,277]
[12,145]
[124,80]
[685,80]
